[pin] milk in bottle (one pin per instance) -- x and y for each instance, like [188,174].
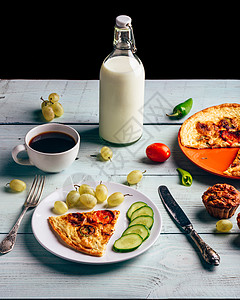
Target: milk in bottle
[122,89]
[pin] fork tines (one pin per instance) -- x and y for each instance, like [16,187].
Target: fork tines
[35,191]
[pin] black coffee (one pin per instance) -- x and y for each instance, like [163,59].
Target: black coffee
[52,142]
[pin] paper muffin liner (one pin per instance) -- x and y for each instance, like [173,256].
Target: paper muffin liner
[221,213]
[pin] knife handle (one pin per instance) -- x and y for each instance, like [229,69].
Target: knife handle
[208,254]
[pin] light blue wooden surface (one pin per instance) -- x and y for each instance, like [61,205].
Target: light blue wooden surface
[171,268]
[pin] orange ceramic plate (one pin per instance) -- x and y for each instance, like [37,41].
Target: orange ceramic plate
[212,160]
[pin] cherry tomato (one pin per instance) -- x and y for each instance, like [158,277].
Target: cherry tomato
[158,152]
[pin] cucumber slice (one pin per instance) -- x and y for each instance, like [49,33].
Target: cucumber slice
[140,229]
[144,220]
[142,211]
[128,242]
[133,207]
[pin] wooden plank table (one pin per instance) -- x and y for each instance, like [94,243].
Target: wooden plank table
[172,267]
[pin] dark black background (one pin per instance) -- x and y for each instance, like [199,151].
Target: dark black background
[69,40]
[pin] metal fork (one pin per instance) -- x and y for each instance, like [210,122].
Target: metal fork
[32,200]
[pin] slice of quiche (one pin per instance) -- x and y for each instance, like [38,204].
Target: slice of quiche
[87,232]
[234,168]
[214,127]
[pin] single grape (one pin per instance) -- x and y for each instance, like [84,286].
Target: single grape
[48,113]
[72,198]
[135,176]
[101,192]
[86,189]
[115,199]
[45,103]
[17,185]
[106,153]
[60,207]
[58,109]
[224,225]
[53,97]
[88,200]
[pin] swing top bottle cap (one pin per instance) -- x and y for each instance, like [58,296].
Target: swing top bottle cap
[122,21]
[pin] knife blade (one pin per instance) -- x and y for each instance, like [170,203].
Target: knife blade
[181,219]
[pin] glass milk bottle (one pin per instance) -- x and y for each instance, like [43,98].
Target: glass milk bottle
[122,89]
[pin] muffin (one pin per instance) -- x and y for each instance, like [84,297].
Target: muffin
[238,220]
[221,200]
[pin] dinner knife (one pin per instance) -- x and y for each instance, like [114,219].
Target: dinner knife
[178,215]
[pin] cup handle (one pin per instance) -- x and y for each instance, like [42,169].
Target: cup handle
[18,149]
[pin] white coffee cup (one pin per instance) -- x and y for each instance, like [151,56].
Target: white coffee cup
[48,162]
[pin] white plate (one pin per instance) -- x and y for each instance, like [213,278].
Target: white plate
[49,241]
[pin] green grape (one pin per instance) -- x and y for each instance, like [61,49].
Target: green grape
[88,200]
[17,185]
[101,192]
[45,103]
[48,113]
[53,97]
[106,153]
[58,109]
[135,176]
[72,198]
[224,225]
[115,199]
[60,207]
[86,189]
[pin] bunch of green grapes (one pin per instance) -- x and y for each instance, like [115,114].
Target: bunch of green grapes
[83,195]
[51,108]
